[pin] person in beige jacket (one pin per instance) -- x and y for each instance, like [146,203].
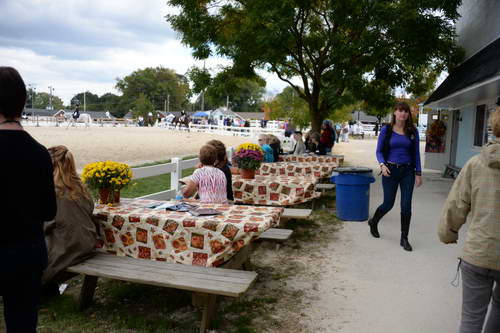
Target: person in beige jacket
[72,236]
[476,194]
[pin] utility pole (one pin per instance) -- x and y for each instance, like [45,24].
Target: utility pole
[203,100]
[50,97]
[227,102]
[84,101]
[165,106]
[168,103]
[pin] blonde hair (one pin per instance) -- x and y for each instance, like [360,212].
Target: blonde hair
[66,180]
[265,138]
[495,122]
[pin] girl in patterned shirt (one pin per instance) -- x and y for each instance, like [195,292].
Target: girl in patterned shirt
[209,181]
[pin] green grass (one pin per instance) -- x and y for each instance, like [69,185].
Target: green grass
[149,185]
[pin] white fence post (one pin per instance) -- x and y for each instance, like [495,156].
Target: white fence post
[175,175]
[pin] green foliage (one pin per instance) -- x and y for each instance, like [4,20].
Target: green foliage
[288,105]
[91,101]
[142,107]
[365,47]
[111,102]
[245,93]
[42,101]
[156,84]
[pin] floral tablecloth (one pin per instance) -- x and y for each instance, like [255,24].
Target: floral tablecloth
[131,229]
[316,169]
[339,159]
[274,190]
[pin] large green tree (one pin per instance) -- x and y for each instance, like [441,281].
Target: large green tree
[87,100]
[42,101]
[111,102]
[244,94]
[160,85]
[365,47]
[288,105]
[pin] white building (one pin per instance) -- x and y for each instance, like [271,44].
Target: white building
[465,100]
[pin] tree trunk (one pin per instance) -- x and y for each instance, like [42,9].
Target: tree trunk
[316,120]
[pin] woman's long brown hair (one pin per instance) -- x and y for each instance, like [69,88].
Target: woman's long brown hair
[409,128]
[66,180]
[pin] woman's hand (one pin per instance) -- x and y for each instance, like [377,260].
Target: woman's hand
[385,170]
[418,181]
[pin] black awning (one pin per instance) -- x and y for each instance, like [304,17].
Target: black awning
[480,67]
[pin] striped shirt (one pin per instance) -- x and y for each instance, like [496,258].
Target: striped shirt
[211,184]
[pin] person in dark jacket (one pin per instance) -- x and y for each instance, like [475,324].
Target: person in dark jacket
[327,136]
[318,147]
[27,200]
[399,156]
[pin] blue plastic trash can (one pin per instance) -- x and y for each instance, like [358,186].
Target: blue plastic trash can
[352,192]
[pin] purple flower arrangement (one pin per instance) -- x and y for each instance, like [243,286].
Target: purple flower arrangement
[248,158]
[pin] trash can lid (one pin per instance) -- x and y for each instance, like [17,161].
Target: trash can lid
[352,170]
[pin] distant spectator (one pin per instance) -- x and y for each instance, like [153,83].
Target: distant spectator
[268,151]
[319,147]
[223,164]
[209,181]
[275,144]
[345,132]
[327,136]
[300,147]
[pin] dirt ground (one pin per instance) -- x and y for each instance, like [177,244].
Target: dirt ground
[132,145]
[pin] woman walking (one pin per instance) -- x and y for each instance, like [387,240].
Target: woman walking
[476,192]
[399,156]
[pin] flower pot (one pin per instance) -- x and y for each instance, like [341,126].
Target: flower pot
[247,173]
[108,196]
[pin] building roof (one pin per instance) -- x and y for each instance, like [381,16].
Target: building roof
[482,66]
[251,115]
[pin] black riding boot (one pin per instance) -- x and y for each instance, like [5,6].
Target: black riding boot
[373,222]
[405,228]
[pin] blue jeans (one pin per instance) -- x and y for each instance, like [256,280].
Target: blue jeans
[404,177]
[480,286]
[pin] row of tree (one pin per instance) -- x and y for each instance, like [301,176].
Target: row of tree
[163,89]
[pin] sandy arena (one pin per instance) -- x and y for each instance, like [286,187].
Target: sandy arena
[132,145]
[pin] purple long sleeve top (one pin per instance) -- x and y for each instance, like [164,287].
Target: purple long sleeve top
[399,149]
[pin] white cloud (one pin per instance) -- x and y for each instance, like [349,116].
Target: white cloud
[77,45]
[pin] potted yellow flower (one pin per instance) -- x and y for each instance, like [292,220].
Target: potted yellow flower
[248,157]
[108,178]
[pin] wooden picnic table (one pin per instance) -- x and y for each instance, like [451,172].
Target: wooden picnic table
[316,169]
[339,159]
[274,190]
[131,229]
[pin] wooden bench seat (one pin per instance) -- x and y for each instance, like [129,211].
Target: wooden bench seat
[275,234]
[205,282]
[296,213]
[451,171]
[324,187]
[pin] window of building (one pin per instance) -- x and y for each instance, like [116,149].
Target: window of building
[482,128]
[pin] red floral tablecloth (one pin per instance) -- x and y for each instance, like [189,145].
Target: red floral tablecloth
[274,190]
[316,169]
[339,159]
[131,229]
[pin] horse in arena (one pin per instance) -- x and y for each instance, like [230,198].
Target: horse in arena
[83,118]
[182,120]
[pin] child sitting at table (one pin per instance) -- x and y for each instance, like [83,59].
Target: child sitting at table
[223,165]
[71,237]
[268,151]
[209,181]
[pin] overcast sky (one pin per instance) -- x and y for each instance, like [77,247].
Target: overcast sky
[75,45]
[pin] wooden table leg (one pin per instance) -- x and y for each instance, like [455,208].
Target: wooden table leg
[88,290]
[209,304]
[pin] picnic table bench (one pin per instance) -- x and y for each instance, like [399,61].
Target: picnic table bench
[451,171]
[206,283]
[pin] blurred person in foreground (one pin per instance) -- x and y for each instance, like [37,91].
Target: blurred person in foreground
[27,200]
[476,194]
[71,237]
[275,145]
[268,151]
